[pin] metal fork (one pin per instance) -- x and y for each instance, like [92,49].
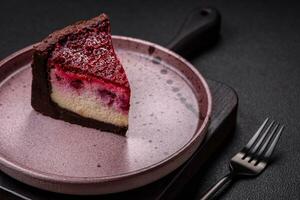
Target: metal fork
[253,158]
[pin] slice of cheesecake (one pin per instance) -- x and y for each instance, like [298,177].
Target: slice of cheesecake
[78,78]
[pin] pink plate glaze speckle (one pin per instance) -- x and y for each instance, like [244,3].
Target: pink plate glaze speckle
[169,114]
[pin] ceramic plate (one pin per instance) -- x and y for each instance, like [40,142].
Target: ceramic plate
[169,114]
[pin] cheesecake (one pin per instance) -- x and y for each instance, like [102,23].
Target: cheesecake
[78,78]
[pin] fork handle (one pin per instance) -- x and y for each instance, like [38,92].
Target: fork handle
[213,190]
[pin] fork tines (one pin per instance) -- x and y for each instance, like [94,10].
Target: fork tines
[262,144]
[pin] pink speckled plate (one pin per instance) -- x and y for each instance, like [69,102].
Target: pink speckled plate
[170,110]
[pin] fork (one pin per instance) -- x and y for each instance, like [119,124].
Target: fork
[253,158]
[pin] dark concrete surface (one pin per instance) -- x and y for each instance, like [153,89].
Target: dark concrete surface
[258,55]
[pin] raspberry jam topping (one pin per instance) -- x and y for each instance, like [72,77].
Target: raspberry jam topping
[89,52]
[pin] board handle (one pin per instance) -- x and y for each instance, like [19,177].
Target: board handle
[199,31]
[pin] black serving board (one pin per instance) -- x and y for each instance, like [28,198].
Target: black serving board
[199,31]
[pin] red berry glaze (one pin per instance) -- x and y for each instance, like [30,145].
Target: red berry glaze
[88,55]
[89,52]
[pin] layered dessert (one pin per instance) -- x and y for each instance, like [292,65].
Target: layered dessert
[78,78]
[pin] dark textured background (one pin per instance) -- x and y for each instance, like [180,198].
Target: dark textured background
[258,55]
